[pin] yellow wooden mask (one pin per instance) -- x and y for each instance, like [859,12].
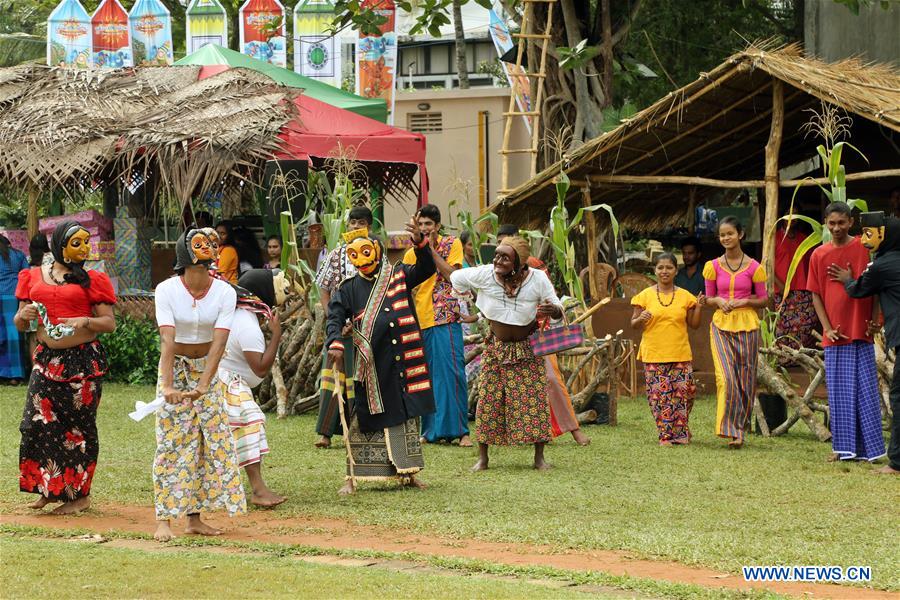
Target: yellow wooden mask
[363,252]
[201,246]
[78,246]
[213,236]
[872,229]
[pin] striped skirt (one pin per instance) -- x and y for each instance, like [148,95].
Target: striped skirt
[853,401]
[446,365]
[246,419]
[734,355]
[329,420]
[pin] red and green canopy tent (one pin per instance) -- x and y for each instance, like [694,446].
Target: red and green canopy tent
[217,56]
[393,158]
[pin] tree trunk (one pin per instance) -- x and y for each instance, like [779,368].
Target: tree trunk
[462,70]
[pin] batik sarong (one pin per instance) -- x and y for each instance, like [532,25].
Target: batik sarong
[446,364]
[512,401]
[734,356]
[854,401]
[59,447]
[562,414]
[12,354]
[391,453]
[246,419]
[195,469]
[670,393]
[796,320]
[329,420]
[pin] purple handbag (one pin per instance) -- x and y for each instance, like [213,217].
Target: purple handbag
[556,339]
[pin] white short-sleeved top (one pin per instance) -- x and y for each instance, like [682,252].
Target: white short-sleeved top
[246,336]
[492,300]
[194,319]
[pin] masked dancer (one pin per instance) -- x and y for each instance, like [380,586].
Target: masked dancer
[392,386]
[196,467]
[513,407]
[59,448]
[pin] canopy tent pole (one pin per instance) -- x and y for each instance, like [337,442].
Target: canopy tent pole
[772,149]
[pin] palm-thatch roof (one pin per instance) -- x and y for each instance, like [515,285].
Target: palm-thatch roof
[65,128]
[716,128]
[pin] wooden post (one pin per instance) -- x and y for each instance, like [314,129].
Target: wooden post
[31,222]
[772,149]
[690,219]
[591,223]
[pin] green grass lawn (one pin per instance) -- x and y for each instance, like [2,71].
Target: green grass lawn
[775,502]
[101,571]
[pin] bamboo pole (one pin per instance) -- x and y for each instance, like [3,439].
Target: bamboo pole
[591,223]
[771,183]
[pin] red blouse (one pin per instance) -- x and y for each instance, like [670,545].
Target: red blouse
[65,301]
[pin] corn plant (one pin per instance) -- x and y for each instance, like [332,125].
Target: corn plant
[560,231]
[828,124]
[296,268]
[483,229]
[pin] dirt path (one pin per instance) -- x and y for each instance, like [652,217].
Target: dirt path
[269,527]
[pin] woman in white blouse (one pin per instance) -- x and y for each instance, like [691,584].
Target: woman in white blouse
[196,466]
[512,404]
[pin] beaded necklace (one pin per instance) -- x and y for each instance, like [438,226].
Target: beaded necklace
[659,298]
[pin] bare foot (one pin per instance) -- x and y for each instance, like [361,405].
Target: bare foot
[465,442]
[163,532]
[40,503]
[542,465]
[886,470]
[197,527]
[422,440]
[348,489]
[581,438]
[70,508]
[481,465]
[735,444]
[266,498]
[833,458]
[665,442]
[324,442]
[415,483]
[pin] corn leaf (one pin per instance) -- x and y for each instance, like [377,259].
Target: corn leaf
[813,240]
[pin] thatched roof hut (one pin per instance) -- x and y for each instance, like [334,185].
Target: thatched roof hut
[76,129]
[713,134]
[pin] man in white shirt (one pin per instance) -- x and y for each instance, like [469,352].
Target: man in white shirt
[247,361]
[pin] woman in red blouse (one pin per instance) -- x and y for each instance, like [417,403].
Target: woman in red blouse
[59,447]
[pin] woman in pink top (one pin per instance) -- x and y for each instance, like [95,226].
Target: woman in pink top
[736,286]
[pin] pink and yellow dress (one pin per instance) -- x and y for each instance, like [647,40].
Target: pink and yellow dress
[734,338]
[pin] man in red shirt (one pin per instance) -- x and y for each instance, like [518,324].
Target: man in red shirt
[847,328]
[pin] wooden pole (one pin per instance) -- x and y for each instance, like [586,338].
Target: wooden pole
[772,150]
[591,223]
[689,220]
[32,218]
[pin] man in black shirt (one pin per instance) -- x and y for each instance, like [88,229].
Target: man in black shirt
[881,235]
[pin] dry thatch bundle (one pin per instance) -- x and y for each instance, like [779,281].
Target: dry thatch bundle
[70,128]
[716,127]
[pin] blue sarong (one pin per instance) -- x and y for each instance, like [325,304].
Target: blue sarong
[853,400]
[12,354]
[446,363]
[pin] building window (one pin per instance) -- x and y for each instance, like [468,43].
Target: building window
[425,122]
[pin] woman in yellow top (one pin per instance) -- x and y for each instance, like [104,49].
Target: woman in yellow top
[663,312]
[227,263]
[736,286]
